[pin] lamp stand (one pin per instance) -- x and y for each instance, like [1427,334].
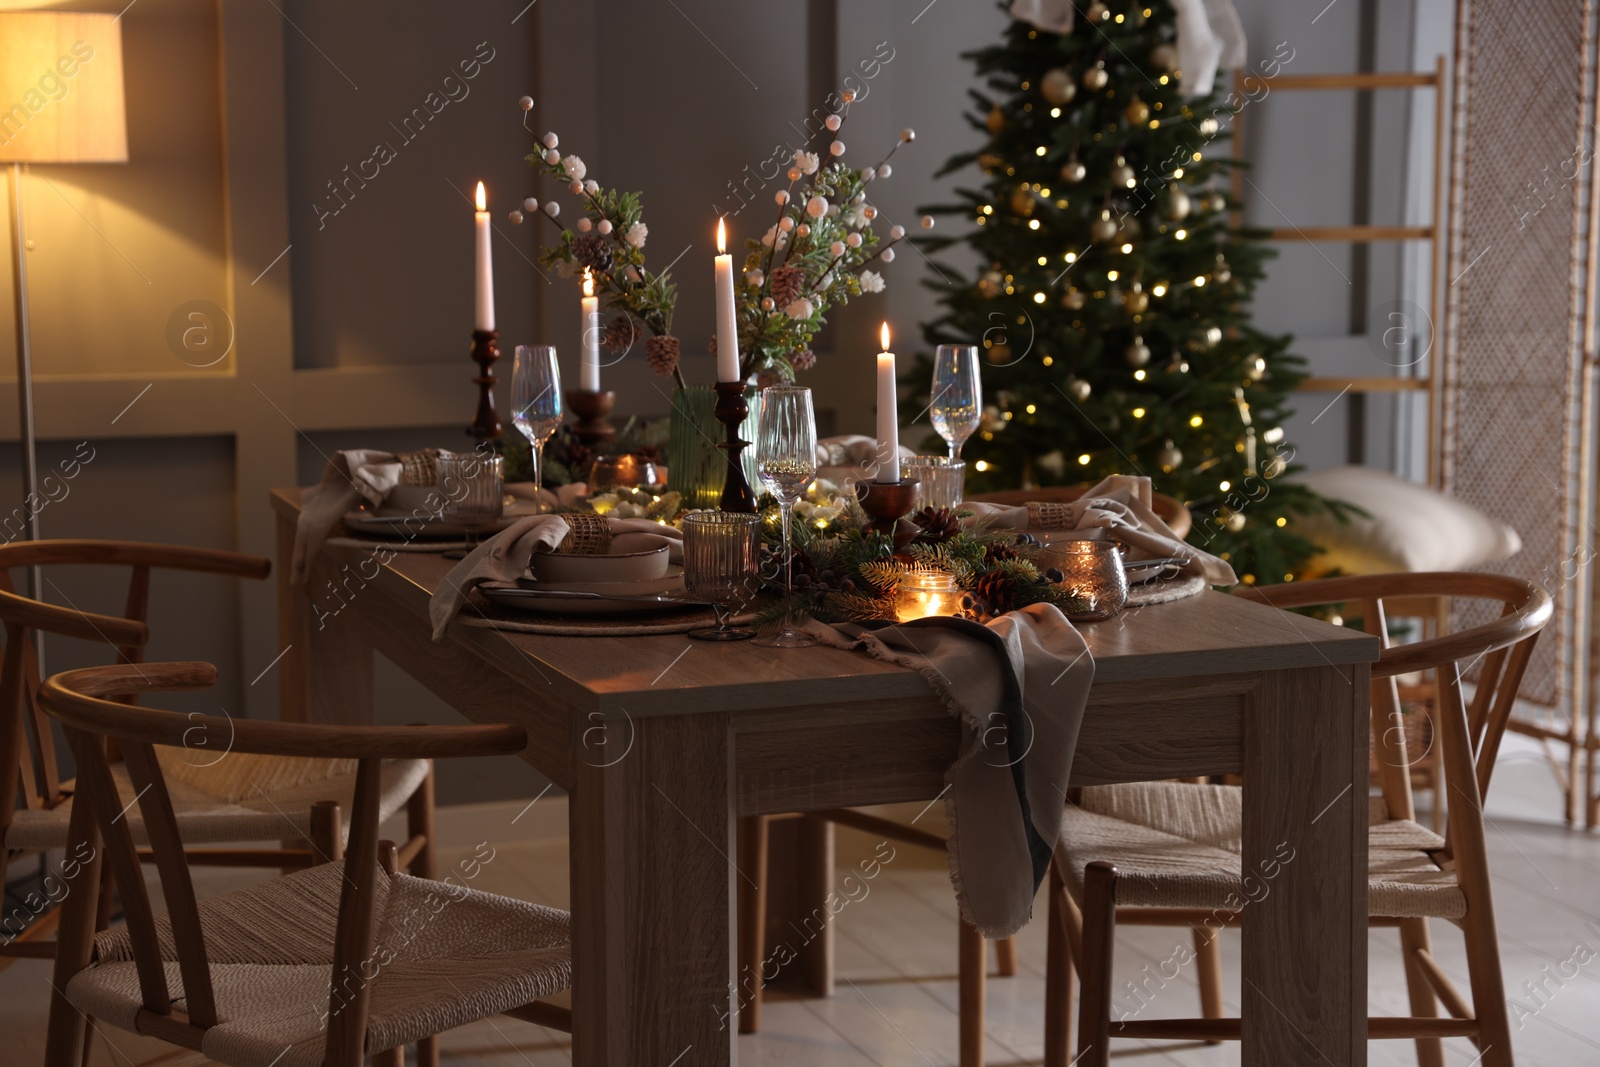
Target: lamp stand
[25,435]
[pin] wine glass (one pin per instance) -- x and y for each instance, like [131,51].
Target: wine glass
[957,394]
[721,565]
[536,404]
[786,458]
[472,486]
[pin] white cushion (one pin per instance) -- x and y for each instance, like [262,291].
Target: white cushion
[1408,527]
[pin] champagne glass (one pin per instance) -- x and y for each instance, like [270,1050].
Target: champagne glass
[957,394]
[536,404]
[721,565]
[786,459]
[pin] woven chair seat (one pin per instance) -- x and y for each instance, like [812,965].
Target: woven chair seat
[445,956]
[1177,845]
[233,797]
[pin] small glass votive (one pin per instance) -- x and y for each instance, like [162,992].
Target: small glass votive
[621,472]
[722,566]
[472,485]
[923,594]
[1092,568]
[943,480]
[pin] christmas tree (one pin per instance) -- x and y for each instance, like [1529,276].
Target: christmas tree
[1112,297]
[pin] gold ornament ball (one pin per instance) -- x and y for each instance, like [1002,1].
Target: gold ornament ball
[1098,12]
[1072,298]
[1274,467]
[1136,301]
[1022,201]
[1218,202]
[1222,275]
[1103,229]
[1138,112]
[1056,87]
[1137,353]
[1096,78]
[1000,354]
[1164,56]
[996,120]
[1234,521]
[1179,365]
[1255,368]
[1169,457]
[1078,389]
[1178,204]
[1072,171]
[1122,175]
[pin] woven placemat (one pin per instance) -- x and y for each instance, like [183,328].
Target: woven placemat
[483,613]
[1166,590]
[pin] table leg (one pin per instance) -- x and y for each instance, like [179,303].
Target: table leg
[1304,990]
[653,839]
[326,674]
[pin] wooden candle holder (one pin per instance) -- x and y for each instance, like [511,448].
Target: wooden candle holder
[591,408]
[889,503]
[485,424]
[731,410]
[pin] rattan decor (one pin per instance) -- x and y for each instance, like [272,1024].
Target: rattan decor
[1517,429]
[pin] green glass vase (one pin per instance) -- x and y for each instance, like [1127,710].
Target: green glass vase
[696,467]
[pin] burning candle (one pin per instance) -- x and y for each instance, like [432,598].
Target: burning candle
[589,368]
[483,268]
[727,322]
[888,415]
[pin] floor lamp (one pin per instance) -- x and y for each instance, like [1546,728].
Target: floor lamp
[61,101]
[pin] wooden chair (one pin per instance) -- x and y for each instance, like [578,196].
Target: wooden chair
[220,794]
[1168,853]
[325,966]
[1170,509]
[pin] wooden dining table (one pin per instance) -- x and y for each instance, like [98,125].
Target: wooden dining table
[662,744]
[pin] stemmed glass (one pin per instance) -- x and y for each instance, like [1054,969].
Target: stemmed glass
[957,394]
[536,404]
[721,565]
[786,458]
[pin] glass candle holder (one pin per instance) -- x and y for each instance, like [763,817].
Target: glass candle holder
[721,565]
[943,480]
[621,472]
[922,594]
[1092,569]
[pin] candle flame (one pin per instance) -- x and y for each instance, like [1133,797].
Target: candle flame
[884,334]
[588,283]
[722,237]
[482,200]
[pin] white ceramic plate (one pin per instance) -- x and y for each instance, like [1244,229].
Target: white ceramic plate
[404,525]
[529,595]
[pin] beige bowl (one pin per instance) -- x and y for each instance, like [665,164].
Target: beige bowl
[634,557]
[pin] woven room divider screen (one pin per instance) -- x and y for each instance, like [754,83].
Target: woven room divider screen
[1517,431]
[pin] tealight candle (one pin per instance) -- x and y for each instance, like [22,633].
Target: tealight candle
[923,594]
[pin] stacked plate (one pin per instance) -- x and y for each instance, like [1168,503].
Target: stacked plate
[635,576]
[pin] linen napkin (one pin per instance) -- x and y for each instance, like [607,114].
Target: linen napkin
[504,557]
[1121,505]
[1018,685]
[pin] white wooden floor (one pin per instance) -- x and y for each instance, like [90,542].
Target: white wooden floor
[896,999]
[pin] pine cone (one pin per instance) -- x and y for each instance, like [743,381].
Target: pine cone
[786,284]
[619,334]
[938,525]
[998,552]
[994,594]
[592,251]
[662,354]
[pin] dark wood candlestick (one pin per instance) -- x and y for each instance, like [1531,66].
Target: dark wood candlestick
[731,410]
[889,503]
[486,424]
[592,407]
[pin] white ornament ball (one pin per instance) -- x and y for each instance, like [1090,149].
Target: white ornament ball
[853,240]
[833,122]
[869,212]
[884,170]
[1209,126]
[525,103]
[766,303]
[781,197]
[1213,335]
[908,135]
[575,187]
[1137,353]
[786,224]
[896,232]
[1103,228]
[591,187]
[584,225]
[754,278]
[530,205]
[552,208]
[836,249]
[794,174]
[515,216]
[1178,204]
[552,157]
[551,140]
[926,222]
[1165,56]
[802,230]
[848,96]
[836,148]
[1079,389]
[604,226]
[817,207]
[887,255]
[1057,87]
[1169,457]
[1072,171]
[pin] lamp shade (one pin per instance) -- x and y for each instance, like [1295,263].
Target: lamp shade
[61,88]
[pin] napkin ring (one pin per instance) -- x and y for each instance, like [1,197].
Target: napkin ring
[1049,515]
[420,467]
[590,536]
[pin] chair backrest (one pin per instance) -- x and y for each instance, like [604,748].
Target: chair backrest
[87,704]
[1470,735]
[28,771]
[1171,510]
